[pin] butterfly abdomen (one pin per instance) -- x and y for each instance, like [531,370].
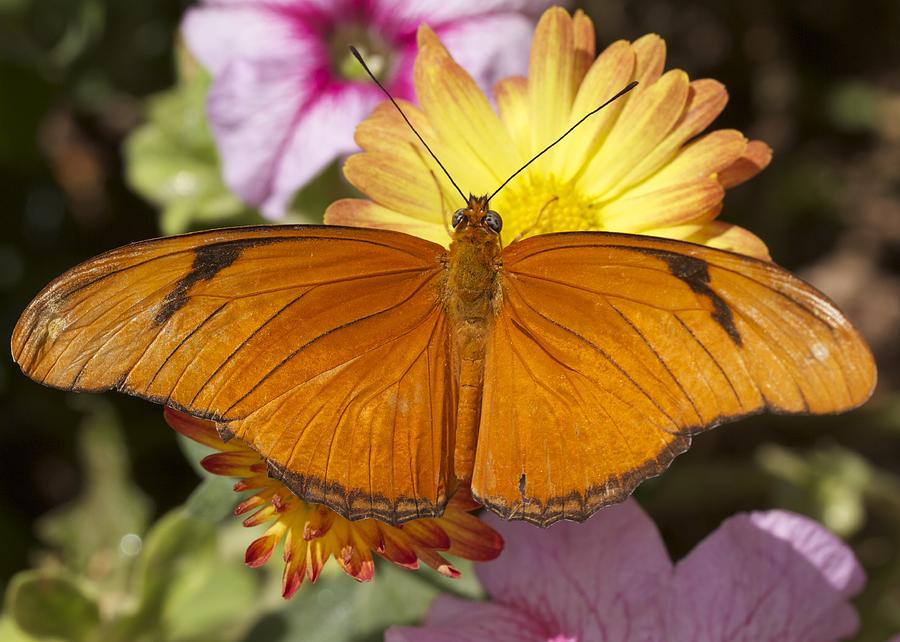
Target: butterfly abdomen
[472,295]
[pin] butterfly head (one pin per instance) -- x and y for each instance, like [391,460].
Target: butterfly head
[476,218]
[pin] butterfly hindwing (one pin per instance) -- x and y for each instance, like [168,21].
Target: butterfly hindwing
[324,348]
[610,350]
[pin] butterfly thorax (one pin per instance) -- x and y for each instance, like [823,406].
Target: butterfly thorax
[472,296]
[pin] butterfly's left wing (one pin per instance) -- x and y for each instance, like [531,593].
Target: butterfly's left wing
[324,348]
[610,350]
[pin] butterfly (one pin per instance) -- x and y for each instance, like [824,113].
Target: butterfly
[374,370]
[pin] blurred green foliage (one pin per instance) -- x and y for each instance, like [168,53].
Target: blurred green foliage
[171,159]
[107,533]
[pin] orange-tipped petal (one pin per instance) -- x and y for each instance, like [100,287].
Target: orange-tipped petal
[650,54]
[668,206]
[584,40]
[427,532]
[645,122]
[551,77]
[397,184]
[260,550]
[252,503]
[294,573]
[478,149]
[360,213]
[702,158]
[472,539]
[706,99]
[398,548]
[261,516]
[385,129]
[754,160]
[721,235]
[249,483]
[317,553]
[231,464]
[319,521]
[202,431]
[438,563]
[607,76]
[312,534]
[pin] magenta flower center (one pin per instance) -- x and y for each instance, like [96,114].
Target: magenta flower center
[375,50]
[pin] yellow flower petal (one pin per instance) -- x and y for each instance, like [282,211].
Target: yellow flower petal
[754,159]
[511,95]
[362,213]
[397,182]
[551,86]
[477,150]
[584,40]
[724,236]
[609,74]
[645,122]
[650,53]
[671,205]
[640,165]
[706,99]
[702,158]
[385,129]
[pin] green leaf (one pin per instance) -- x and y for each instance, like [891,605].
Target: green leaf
[51,604]
[171,160]
[210,598]
[176,542]
[185,589]
[109,512]
[213,500]
[828,483]
[10,631]
[339,609]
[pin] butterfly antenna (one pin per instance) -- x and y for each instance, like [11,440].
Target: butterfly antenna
[359,57]
[624,91]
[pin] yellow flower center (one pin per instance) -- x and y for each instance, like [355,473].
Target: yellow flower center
[538,205]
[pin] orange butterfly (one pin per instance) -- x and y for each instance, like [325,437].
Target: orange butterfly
[373,369]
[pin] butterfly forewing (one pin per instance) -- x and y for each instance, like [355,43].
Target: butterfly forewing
[610,350]
[324,348]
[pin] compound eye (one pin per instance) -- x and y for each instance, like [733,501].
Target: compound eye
[493,221]
[458,217]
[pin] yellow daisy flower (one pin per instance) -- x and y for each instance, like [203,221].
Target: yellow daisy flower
[312,533]
[640,165]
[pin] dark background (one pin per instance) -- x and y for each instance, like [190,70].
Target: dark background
[818,80]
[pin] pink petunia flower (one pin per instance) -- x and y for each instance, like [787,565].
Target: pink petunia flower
[286,95]
[760,577]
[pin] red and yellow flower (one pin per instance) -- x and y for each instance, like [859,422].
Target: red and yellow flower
[312,534]
[640,165]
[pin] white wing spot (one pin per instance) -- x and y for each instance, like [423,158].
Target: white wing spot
[54,327]
[820,352]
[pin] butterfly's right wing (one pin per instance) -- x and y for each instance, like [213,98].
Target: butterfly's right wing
[611,350]
[324,348]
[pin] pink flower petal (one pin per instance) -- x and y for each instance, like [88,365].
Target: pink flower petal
[591,581]
[483,45]
[253,108]
[322,132]
[764,577]
[278,113]
[454,620]
[408,15]
[218,35]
